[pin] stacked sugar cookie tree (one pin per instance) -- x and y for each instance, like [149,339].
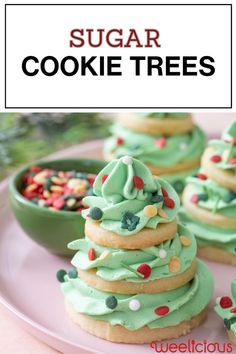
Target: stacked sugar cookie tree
[135,277]
[168,143]
[210,200]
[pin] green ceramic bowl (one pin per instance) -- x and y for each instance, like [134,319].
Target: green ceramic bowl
[51,229]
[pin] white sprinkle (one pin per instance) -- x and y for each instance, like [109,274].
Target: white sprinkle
[183,146]
[162,253]
[218,300]
[41,203]
[134,305]
[127,160]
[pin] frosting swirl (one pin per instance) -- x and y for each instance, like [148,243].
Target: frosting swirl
[226,148]
[113,268]
[122,191]
[180,304]
[146,148]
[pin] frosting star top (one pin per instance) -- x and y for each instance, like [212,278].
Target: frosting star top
[128,198]
[225,149]
[226,308]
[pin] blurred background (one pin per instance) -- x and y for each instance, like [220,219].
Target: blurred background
[25,137]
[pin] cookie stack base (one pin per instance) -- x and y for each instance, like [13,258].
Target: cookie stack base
[143,335]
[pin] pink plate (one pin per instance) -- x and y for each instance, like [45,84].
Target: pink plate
[30,291]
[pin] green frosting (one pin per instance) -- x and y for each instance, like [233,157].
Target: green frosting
[207,235]
[122,201]
[183,303]
[162,115]
[178,148]
[226,147]
[112,267]
[218,199]
[225,312]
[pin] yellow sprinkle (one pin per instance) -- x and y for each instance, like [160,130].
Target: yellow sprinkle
[58,181]
[40,178]
[104,255]
[174,265]
[79,188]
[56,189]
[185,240]
[31,187]
[162,214]
[150,211]
[46,194]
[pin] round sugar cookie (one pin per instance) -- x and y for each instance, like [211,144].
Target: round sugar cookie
[206,216]
[143,239]
[225,178]
[153,126]
[143,335]
[126,287]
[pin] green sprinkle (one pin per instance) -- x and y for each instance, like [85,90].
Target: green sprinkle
[60,275]
[111,302]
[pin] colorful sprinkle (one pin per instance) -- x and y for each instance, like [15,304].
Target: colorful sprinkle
[60,275]
[226,302]
[129,221]
[103,178]
[232,161]
[157,198]
[127,160]
[134,305]
[58,204]
[169,203]
[119,141]
[174,265]
[138,182]
[185,241]
[233,310]
[162,214]
[216,158]
[203,197]
[201,176]
[164,192]
[194,199]
[111,302]
[150,211]
[162,253]
[144,269]
[91,254]
[178,186]
[96,213]
[161,143]
[72,273]
[162,310]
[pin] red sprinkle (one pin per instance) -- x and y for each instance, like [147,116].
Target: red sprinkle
[169,203]
[144,269]
[35,169]
[225,302]
[91,254]
[233,161]
[201,176]
[91,180]
[162,310]
[164,192]
[103,178]
[138,182]
[216,158]
[234,141]
[58,204]
[194,198]
[119,141]
[161,143]
[233,310]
